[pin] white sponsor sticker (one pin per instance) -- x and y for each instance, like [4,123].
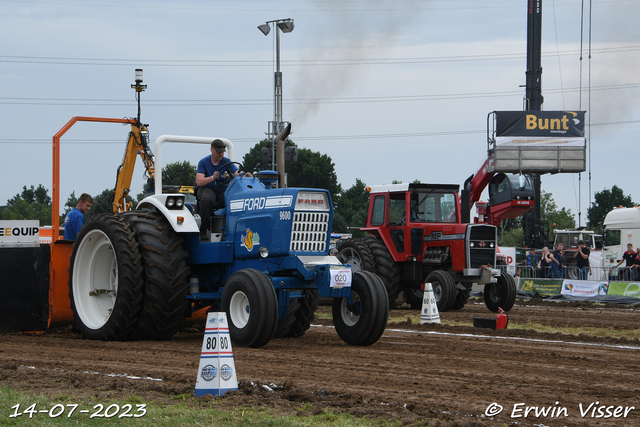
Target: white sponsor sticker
[340,277]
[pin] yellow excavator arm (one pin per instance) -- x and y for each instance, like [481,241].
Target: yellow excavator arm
[138,144]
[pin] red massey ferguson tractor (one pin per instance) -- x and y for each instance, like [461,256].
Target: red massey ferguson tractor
[416,236]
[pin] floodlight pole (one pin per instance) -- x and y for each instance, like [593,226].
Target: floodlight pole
[276,127]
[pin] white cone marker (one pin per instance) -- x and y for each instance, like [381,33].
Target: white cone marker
[217,372]
[429,312]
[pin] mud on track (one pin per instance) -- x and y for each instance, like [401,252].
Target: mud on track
[419,374]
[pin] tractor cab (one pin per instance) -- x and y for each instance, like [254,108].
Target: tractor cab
[510,195]
[404,214]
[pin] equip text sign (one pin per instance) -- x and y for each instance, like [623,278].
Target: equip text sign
[19,233]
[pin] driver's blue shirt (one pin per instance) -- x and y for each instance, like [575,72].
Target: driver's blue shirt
[207,168]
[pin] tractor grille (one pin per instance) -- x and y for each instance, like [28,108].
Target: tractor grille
[481,247]
[309,232]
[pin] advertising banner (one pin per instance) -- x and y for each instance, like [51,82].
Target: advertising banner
[540,128]
[627,289]
[543,287]
[584,288]
[509,255]
[19,233]
[547,124]
[538,141]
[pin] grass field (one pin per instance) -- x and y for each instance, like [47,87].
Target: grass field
[185,411]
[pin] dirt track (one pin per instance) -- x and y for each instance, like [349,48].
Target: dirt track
[420,374]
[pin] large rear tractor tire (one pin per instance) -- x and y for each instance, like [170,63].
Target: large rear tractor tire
[414,298]
[105,279]
[166,275]
[501,294]
[386,268]
[251,305]
[299,320]
[284,325]
[358,254]
[363,322]
[444,289]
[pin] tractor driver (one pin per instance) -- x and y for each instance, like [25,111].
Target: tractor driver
[210,193]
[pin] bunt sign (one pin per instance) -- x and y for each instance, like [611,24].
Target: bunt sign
[546,128]
[537,141]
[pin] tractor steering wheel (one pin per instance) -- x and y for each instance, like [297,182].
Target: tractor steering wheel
[226,175]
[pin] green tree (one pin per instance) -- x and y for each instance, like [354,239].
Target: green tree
[513,237]
[352,208]
[252,161]
[179,173]
[71,203]
[604,202]
[32,203]
[509,224]
[102,203]
[511,231]
[550,214]
[176,173]
[312,170]
[36,195]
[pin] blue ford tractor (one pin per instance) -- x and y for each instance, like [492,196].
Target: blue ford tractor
[266,263]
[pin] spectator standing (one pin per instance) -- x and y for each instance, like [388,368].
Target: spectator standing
[544,263]
[558,262]
[75,218]
[635,268]
[613,271]
[582,260]
[629,256]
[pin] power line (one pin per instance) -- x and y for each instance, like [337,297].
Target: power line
[319,5]
[290,101]
[326,6]
[53,60]
[300,138]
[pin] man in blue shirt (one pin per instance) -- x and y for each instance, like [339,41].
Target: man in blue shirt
[75,219]
[558,262]
[210,192]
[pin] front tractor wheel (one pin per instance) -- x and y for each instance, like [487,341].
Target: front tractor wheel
[444,289]
[105,279]
[251,305]
[501,294]
[362,322]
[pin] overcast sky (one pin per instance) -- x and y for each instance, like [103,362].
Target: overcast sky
[390,90]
